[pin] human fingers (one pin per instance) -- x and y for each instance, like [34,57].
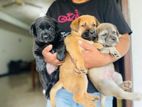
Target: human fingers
[55,60]
[47,49]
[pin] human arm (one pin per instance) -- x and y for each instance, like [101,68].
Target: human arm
[111,14]
[95,58]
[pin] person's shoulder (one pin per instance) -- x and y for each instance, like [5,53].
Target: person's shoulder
[111,1]
[55,4]
[100,2]
[107,3]
[58,3]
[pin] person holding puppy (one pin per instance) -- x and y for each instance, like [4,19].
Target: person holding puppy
[65,11]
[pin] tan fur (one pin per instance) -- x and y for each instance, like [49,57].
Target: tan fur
[73,72]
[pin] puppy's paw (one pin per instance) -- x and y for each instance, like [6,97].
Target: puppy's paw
[138,96]
[90,104]
[92,98]
[105,50]
[114,52]
[60,57]
[126,85]
[95,98]
[80,67]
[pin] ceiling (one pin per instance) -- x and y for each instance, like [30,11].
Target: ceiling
[21,13]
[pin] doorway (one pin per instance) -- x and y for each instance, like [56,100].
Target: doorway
[124,65]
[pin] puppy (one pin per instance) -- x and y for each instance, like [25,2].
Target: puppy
[45,32]
[108,36]
[73,72]
[106,79]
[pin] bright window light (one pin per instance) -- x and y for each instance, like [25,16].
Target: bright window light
[43,12]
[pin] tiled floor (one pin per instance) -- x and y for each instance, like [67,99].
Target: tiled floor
[16,91]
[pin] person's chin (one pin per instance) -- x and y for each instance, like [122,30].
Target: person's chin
[79,1]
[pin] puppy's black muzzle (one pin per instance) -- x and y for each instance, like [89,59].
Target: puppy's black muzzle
[46,37]
[89,35]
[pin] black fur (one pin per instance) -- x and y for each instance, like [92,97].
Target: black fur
[88,35]
[45,32]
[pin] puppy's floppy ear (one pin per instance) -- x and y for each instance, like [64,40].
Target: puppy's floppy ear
[56,24]
[54,21]
[97,32]
[75,24]
[33,29]
[97,22]
[117,32]
[119,35]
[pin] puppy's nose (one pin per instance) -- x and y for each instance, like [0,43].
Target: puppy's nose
[45,33]
[45,37]
[93,32]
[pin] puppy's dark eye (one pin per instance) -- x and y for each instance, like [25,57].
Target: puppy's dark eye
[44,27]
[48,26]
[104,35]
[84,25]
[114,32]
[41,27]
[94,25]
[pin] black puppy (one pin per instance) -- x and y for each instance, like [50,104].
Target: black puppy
[45,32]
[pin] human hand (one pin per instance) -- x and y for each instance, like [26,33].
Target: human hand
[92,56]
[50,68]
[50,57]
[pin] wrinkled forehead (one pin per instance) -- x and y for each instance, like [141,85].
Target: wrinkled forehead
[107,27]
[111,29]
[102,32]
[88,20]
[45,21]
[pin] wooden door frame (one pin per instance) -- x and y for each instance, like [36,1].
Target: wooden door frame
[128,56]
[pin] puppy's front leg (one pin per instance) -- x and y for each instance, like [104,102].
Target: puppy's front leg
[105,50]
[71,43]
[114,52]
[61,52]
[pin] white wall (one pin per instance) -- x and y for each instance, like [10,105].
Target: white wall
[10,46]
[136,25]
[14,47]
